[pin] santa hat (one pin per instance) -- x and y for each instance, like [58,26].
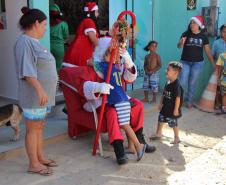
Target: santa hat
[198,20]
[90,6]
[55,9]
[103,45]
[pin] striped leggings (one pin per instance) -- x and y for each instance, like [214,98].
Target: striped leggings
[123,110]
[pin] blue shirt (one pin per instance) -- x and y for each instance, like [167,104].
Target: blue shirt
[218,47]
[117,94]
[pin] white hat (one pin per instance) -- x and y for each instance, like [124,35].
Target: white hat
[103,45]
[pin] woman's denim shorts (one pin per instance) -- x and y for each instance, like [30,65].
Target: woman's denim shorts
[36,114]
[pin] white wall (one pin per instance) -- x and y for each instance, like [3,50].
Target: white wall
[8,80]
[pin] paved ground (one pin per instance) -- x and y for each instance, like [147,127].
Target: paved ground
[200,159]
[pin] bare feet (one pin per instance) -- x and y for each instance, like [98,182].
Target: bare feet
[153,101]
[131,148]
[139,147]
[176,141]
[130,151]
[155,137]
[144,100]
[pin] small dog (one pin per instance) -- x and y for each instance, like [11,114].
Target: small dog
[11,115]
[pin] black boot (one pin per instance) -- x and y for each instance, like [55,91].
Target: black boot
[119,152]
[64,110]
[140,137]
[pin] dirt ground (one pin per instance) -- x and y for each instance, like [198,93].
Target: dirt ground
[200,159]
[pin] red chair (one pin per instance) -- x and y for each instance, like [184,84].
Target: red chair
[79,120]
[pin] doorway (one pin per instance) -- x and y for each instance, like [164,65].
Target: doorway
[73,11]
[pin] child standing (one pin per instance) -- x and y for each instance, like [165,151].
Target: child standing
[221,68]
[152,64]
[118,99]
[171,101]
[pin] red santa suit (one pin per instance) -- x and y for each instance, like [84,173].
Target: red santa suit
[81,49]
[86,81]
[89,89]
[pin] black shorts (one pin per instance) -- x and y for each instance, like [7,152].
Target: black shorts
[172,122]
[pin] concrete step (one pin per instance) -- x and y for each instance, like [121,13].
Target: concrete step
[56,125]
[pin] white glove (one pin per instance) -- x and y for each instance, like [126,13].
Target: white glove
[125,55]
[102,88]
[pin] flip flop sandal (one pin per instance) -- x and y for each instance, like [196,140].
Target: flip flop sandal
[154,138]
[141,153]
[43,172]
[51,163]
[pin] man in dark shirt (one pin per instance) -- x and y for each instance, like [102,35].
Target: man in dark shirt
[171,101]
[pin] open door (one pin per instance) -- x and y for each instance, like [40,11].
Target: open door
[10,12]
[143,31]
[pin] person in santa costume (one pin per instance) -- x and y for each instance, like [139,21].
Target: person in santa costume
[91,87]
[86,38]
[193,41]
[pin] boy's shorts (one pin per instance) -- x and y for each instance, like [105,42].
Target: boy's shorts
[123,110]
[36,114]
[172,122]
[151,82]
[223,86]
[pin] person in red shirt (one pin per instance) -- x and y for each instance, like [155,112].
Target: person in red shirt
[86,39]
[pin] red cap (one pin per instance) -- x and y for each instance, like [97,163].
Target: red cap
[90,6]
[198,20]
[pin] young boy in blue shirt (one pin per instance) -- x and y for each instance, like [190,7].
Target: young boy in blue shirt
[118,99]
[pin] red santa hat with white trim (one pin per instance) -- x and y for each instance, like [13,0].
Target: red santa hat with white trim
[90,6]
[198,20]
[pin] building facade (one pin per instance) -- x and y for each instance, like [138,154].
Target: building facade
[160,20]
